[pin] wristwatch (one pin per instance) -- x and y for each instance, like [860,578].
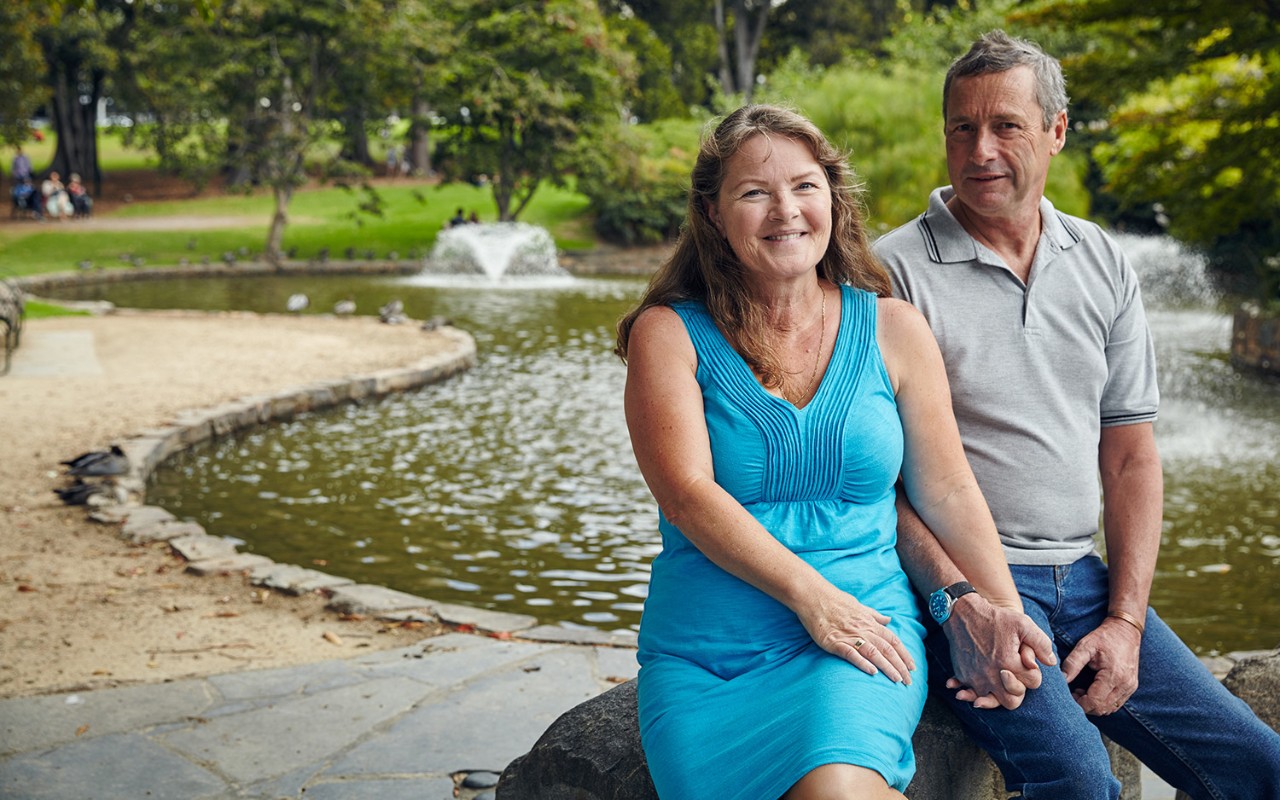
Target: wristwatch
[941,601]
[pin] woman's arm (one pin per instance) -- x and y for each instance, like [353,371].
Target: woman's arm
[937,477]
[667,422]
[949,535]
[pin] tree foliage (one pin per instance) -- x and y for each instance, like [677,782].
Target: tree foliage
[532,81]
[1194,102]
[243,87]
[20,70]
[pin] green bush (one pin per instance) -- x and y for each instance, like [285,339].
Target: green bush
[638,183]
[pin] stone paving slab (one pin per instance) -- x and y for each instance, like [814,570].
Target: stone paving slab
[163,531]
[383,789]
[240,562]
[141,518]
[36,723]
[480,619]
[390,724]
[201,546]
[293,579]
[119,767]
[365,598]
[291,733]
[498,718]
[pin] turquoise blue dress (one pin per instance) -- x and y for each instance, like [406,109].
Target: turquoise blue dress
[736,700]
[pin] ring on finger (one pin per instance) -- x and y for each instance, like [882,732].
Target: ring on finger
[858,643]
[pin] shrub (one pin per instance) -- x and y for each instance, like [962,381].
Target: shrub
[638,181]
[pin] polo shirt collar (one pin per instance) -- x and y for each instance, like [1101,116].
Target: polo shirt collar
[948,242]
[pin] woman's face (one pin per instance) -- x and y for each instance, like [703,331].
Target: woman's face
[774,207]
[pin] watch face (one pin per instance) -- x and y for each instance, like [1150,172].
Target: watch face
[939,606]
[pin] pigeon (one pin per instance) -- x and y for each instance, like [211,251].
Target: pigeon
[436,322]
[79,493]
[392,313]
[99,463]
[344,307]
[297,302]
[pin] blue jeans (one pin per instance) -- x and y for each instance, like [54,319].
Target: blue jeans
[1180,722]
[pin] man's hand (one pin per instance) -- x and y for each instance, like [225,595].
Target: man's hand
[994,651]
[1110,652]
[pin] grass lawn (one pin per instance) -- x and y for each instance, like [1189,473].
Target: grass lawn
[162,233]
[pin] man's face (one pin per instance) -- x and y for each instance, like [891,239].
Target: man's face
[998,151]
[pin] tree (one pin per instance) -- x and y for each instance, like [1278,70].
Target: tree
[21,87]
[247,87]
[533,81]
[828,31]
[79,43]
[653,96]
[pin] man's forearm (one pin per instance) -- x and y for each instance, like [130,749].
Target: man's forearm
[1133,510]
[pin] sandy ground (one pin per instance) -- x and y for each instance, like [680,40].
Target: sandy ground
[82,608]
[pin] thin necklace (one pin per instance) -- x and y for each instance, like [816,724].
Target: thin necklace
[817,356]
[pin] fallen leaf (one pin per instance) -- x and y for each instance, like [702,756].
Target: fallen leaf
[102,672]
[413,624]
[332,638]
[352,617]
[500,635]
[83,729]
[225,614]
[26,587]
[465,628]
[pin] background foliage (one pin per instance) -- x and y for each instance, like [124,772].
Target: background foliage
[1175,106]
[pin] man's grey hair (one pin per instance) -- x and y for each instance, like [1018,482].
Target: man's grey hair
[997,51]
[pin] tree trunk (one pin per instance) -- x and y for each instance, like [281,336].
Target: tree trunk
[75,124]
[748,37]
[275,235]
[420,138]
[722,37]
[356,145]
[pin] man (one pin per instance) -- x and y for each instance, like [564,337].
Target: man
[1052,372]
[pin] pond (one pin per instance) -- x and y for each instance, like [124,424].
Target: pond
[513,487]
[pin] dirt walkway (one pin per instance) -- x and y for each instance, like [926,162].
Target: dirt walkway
[79,607]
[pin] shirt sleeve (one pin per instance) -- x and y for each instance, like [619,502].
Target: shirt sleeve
[1131,394]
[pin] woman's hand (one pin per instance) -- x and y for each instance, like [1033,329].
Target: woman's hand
[846,628]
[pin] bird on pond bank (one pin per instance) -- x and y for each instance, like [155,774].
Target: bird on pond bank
[392,313]
[99,463]
[297,302]
[344,307]
[83,493]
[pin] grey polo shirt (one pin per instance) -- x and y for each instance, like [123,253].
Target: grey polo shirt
[1036,369]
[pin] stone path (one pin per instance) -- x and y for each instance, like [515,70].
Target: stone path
[410,723]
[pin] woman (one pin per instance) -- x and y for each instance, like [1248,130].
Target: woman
[774,395]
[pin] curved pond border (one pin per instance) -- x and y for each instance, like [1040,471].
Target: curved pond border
[211,555]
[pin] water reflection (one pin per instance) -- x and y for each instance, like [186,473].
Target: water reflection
[513,486]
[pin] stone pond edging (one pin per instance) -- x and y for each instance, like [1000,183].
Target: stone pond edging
[123,503]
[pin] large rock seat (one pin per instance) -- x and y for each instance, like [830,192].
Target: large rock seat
[592,752]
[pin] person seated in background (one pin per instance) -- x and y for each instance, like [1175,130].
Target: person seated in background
[57,203]
[26,200]
[474,218]
[81,202]
[457,219]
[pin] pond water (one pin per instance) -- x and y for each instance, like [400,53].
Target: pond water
[513,486]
